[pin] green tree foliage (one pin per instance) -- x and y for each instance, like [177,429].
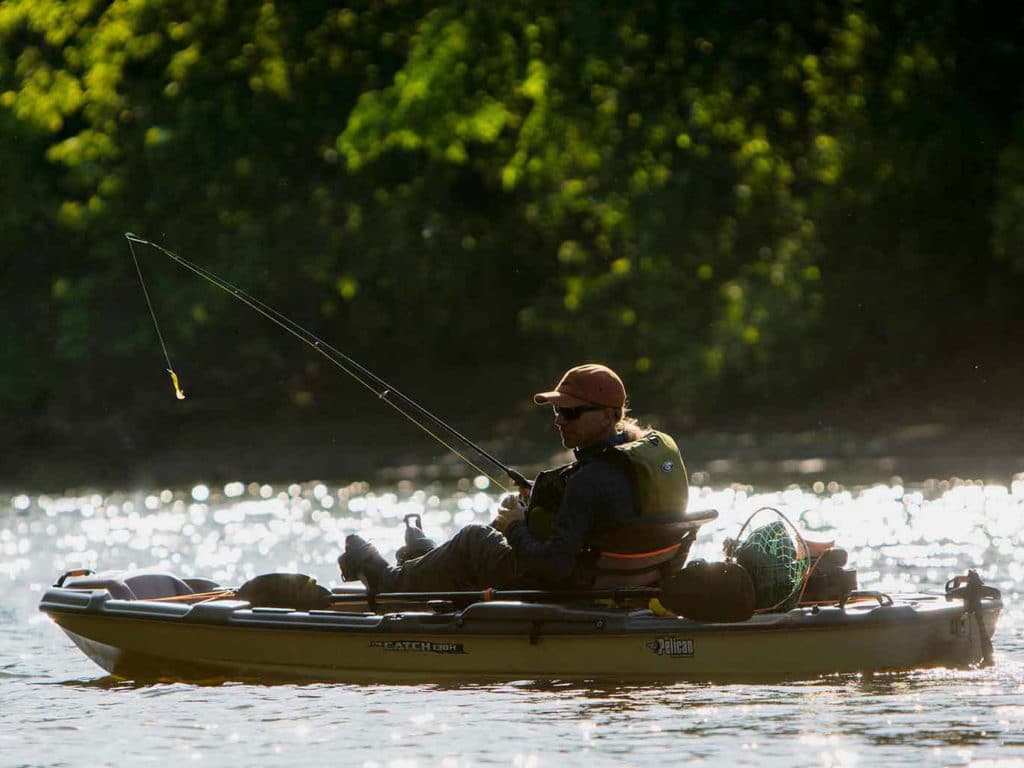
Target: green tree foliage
[723,200]
[733,194]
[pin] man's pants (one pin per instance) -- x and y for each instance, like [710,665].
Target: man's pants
[476,557]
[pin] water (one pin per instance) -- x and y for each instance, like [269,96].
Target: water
[58,709]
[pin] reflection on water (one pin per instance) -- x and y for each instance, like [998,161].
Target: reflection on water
[897,537]
[57,706]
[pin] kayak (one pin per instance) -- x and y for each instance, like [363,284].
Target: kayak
[150,626]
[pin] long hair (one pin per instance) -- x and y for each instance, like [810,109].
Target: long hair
[629,426]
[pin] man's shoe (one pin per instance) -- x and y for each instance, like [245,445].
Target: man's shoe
[362,562]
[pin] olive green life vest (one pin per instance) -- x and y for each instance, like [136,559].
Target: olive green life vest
[546,498]
[654,466]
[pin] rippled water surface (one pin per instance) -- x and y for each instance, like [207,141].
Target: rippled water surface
[58,708]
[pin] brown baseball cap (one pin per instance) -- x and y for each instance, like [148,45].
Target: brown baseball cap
[590,384]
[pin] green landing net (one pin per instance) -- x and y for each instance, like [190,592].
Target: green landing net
[770,556]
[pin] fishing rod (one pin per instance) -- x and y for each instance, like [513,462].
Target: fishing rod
[367,378]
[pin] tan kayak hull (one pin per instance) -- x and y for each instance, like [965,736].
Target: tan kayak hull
[512,641]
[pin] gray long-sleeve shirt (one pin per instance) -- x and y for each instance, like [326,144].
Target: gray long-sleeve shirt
[599,496]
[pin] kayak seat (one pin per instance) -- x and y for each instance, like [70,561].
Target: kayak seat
[642,554]
[617,569]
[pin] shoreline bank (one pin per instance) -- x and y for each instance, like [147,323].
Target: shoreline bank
[347,451]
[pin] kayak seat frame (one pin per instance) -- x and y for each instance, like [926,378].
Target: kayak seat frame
[642,554]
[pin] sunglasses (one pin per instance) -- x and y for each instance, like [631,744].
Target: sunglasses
[571,414]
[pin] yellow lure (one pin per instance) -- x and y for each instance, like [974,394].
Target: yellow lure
[177,388]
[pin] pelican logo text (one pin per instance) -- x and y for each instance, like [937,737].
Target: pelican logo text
[418,646]
[675,647]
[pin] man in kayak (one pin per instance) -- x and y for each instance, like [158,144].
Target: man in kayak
[621,475]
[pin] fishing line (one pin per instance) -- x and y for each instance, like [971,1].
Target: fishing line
[170,368]
[355,370]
